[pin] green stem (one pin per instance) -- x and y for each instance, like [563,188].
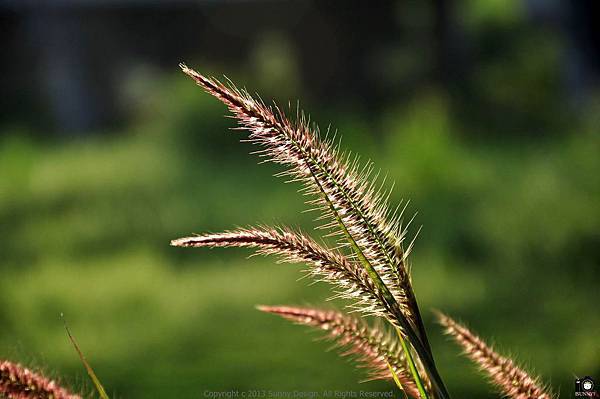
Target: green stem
[412,367]
[428,363]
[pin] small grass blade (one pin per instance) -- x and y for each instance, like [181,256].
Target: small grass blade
[397,380]
[412,367]
[88,368]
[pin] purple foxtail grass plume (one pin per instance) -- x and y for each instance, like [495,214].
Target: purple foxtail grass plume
[514,382]
[351,204]
[328,265]
[18,382]
[373,349]
[352,207]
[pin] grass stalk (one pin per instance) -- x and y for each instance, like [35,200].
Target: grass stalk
[412,367]
[88,368]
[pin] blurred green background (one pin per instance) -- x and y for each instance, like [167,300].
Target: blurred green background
[485,114]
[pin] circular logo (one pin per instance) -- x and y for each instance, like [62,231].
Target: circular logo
[587,384]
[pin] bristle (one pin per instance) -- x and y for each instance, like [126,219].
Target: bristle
[513,381]
[18,382]
[371,346]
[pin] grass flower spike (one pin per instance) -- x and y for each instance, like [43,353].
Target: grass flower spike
[349,202]
[371,265]
[376,351]
[351,280]
[18,382]
[512,380]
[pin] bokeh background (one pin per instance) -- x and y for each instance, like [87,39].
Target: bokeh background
[484,113]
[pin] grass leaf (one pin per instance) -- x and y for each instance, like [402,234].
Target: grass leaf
[88,368]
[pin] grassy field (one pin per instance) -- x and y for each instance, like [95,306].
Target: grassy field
[509,244]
